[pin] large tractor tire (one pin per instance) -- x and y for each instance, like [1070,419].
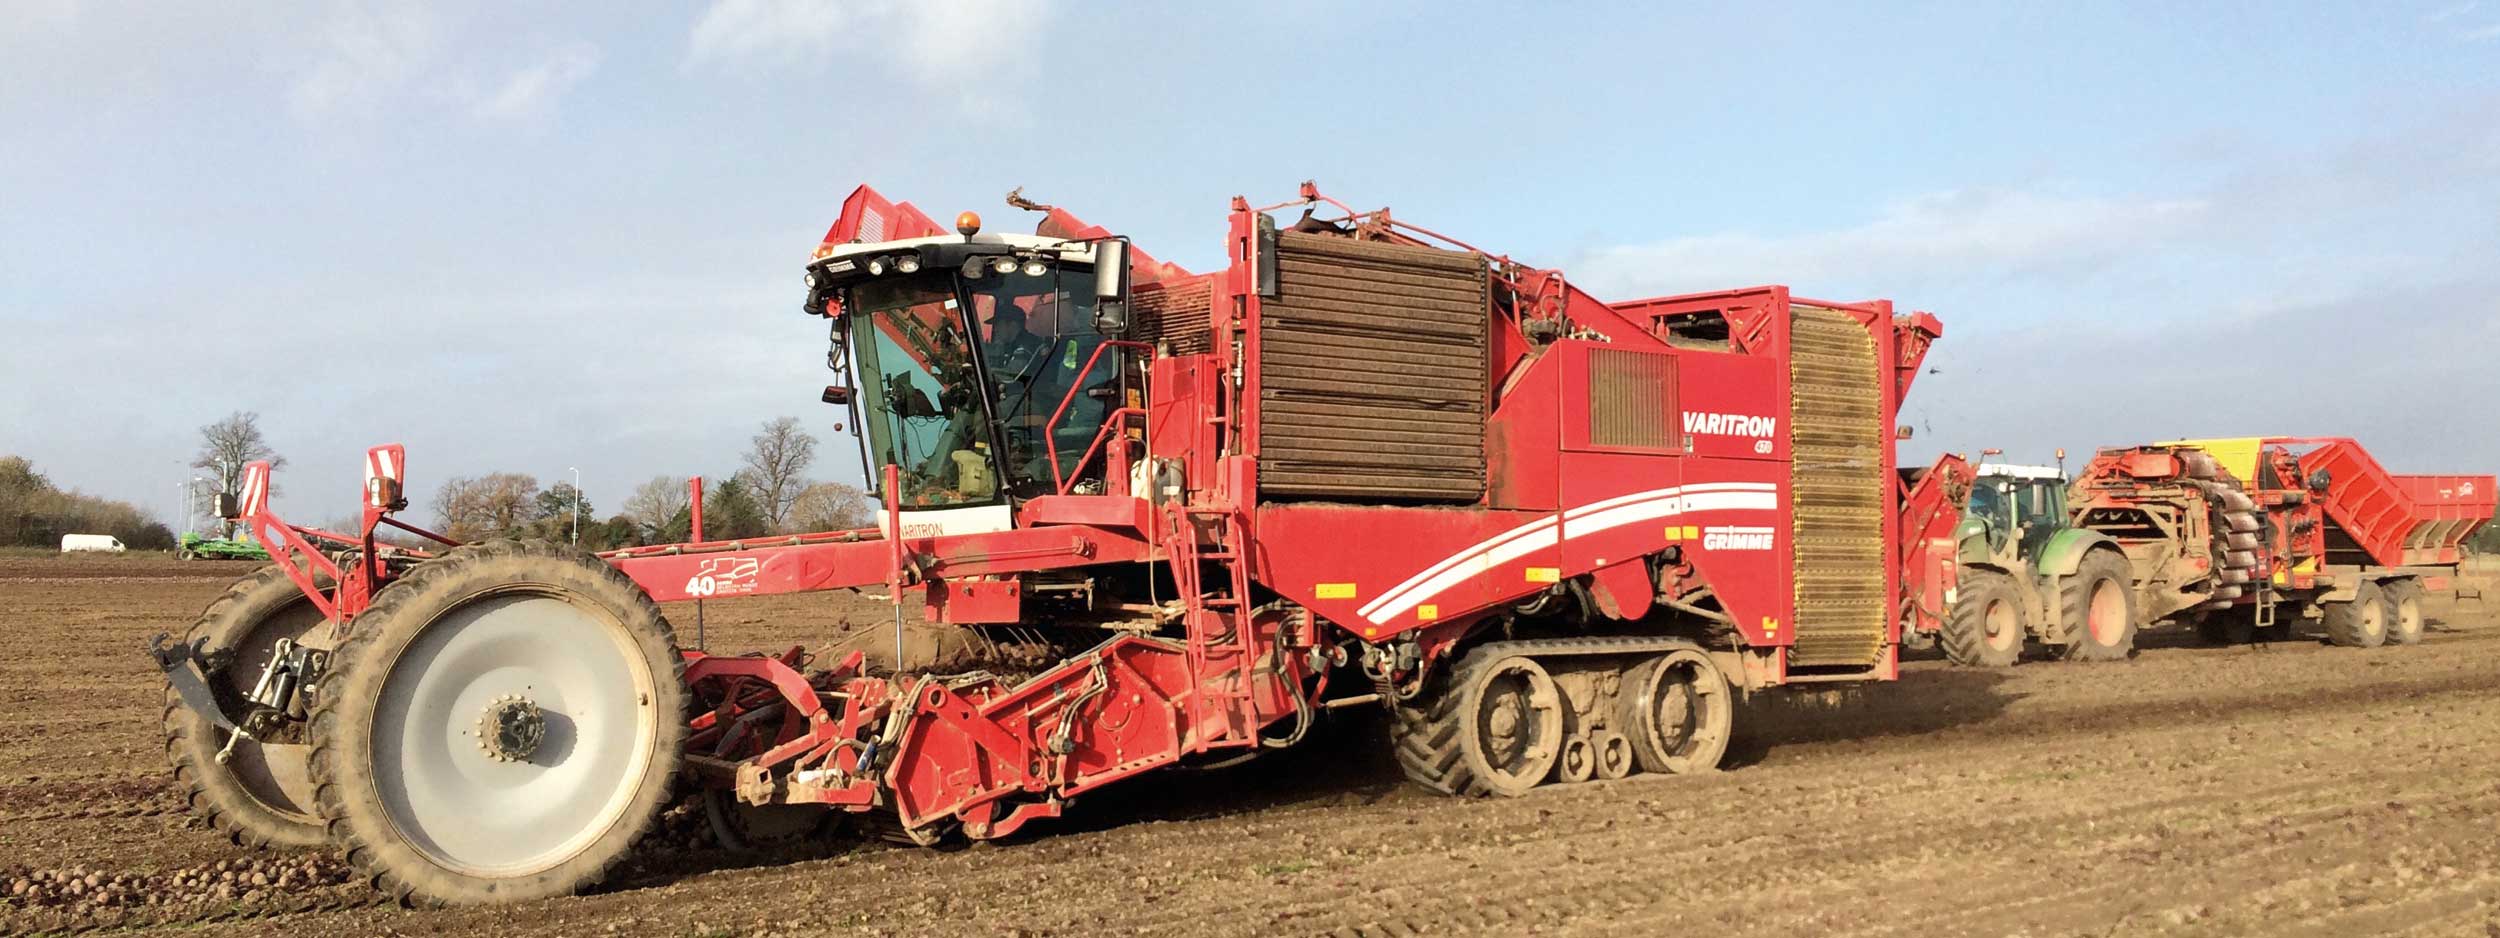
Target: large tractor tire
[2360,623]
[1985,627]
[1493,726]
[2405,623]
[261,794]
[2096,608]
[1678,713]
[501,725]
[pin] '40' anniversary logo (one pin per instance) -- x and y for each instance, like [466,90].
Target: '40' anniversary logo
[724,576]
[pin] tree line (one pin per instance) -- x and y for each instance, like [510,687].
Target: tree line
[35,513]
[769,493]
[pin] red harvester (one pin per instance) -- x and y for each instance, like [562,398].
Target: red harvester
[1362,465]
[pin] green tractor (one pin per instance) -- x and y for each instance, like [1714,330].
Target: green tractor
[2028,576]
[195,547]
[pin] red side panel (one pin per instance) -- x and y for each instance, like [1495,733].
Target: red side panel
[2398,520]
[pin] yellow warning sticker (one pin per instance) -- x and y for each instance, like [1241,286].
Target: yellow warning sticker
[1544,574]
[1427,612]
[1335,590]
[1692,532]
[1674,533]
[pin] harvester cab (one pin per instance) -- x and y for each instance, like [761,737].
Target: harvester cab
[987,364]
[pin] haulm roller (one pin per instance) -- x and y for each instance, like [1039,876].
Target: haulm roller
[1553,538]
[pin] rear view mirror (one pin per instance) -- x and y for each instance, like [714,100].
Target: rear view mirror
[1901,432]
[837,394]
[227,508]
[1111,287]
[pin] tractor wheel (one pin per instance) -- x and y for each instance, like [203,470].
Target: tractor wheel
[1678,712]
[2096,608]
[1984,629]
[502,724]
[261,795]
[2360,623]
[2404,612]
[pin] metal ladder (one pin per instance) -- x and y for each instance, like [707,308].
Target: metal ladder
[1204,611]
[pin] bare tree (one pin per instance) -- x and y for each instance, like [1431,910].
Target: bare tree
[830,506]
[226,446]
[656,503]
[776,468]
[492,505]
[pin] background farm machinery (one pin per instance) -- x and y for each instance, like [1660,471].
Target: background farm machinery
[2240,538]
[1363,465]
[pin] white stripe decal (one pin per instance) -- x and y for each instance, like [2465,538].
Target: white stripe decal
[1601,515]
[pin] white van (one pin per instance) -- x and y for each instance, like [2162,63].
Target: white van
[104,543]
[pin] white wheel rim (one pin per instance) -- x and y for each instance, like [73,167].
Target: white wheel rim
[473,813]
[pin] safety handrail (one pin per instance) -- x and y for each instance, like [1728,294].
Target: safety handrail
[1050,439]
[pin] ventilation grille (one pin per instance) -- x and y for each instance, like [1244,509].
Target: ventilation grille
[1630,397]
[1372,372]
[1836,440]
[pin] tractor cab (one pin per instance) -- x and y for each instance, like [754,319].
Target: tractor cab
[980,364]
[2013,511]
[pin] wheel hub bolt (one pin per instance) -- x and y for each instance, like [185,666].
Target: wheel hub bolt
[512,729]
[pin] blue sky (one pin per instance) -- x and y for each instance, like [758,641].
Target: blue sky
[527,237]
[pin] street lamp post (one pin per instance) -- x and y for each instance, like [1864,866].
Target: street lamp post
[577,505]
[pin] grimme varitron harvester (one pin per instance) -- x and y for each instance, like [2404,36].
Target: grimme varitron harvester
[1361,465]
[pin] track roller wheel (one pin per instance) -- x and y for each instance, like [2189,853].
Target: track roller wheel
[501,725]
[1984,629]
[1579,761]
[2404,612]
[2097,608]
[261,795]
[2360,623]
[1678,712]
[1614,755]
[1513,729]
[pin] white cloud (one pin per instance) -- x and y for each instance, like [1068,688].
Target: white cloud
[2484,34]
[533,90]
[365,55]
[955,45]
[1961,234]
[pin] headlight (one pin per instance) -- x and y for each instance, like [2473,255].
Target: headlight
[908,263]
[876,267]
[811,280]
[1035,268]
[1004,265]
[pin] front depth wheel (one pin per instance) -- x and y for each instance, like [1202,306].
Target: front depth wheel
[2097,608]
[260,794]
[501,725]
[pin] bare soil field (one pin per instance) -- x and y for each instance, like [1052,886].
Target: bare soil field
[2282,790]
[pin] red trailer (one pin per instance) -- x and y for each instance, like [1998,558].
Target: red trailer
[1362,465]
[2233,532]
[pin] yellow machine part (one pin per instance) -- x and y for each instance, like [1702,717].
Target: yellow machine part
[2238,455]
